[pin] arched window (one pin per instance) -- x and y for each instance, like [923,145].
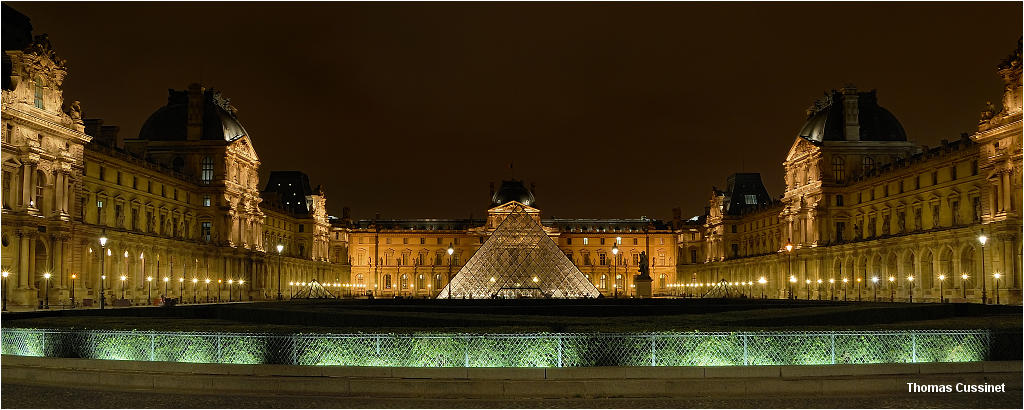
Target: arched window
[838,169]
[206,174]
[38,84]
[387,281]
[867,164]
[437,282]
[405,282]
[604,281]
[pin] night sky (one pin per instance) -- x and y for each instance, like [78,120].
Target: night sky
[613,110]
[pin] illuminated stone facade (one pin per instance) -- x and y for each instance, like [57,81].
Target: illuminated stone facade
[181,202]
[861,202]
[412,254]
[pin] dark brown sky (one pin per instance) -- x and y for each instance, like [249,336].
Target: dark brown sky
[614,110]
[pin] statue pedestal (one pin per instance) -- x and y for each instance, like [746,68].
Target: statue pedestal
[643,286]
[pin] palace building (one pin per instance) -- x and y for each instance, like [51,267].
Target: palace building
[183,213]
[863,202]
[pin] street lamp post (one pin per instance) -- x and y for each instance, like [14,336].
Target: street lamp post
[910,280]
[451,251]
[831,289]
[963,285]
[46,290]
[984,295]
[942,278]
[807,287]
[845,280]
[166,281]
[230,282]
[149,294]
[181,287]
[280,248]
[615,254]
[195,282]
[762,281]
[995,281]
[207,290]
[5,274]
[892,290]
[792,280]
[874,286]
[123,279]
[103,270]
[73,277]
[789,268]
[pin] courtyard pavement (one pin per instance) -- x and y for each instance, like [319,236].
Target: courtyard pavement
[32,396]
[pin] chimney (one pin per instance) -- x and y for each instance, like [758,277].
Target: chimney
[195,112]
[851,113]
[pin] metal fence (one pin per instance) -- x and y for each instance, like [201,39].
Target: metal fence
[507,350]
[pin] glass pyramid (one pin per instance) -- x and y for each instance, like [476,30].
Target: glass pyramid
[519,260]
[313,290]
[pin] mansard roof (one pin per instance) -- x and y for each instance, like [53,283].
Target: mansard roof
[826,120]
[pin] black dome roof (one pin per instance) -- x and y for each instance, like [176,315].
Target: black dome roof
[170,122]
[512,190]
[826,120]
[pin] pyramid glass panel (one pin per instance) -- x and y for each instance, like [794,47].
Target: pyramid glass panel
[313,290]
[519,260]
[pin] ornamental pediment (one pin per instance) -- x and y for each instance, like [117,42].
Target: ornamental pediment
[800,149]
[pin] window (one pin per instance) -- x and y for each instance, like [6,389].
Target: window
[838,169]
[732,228]
[163,190]
[206,172]
[635,240]
[952,172]
[586,241]
[135,219]
[437,259]
[602,241]
[119,177]
[423,241]
[840,229]
[586,258]
[735,250]
[935,177]
[618,240]
[302,227]
[918,225]
[135,182]
[867,164]
[38,93]
[693,256]
[955,207]
[602,259]
[750,199]
[119,214]
[206,231]
[7,189]
[99,211]
[839,200]
[387,281]
[568,241]
[102,171]
[604,281]
[206,201]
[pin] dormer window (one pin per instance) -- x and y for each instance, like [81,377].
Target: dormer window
[38,93]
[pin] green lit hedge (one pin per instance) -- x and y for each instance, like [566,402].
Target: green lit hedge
[508,350]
